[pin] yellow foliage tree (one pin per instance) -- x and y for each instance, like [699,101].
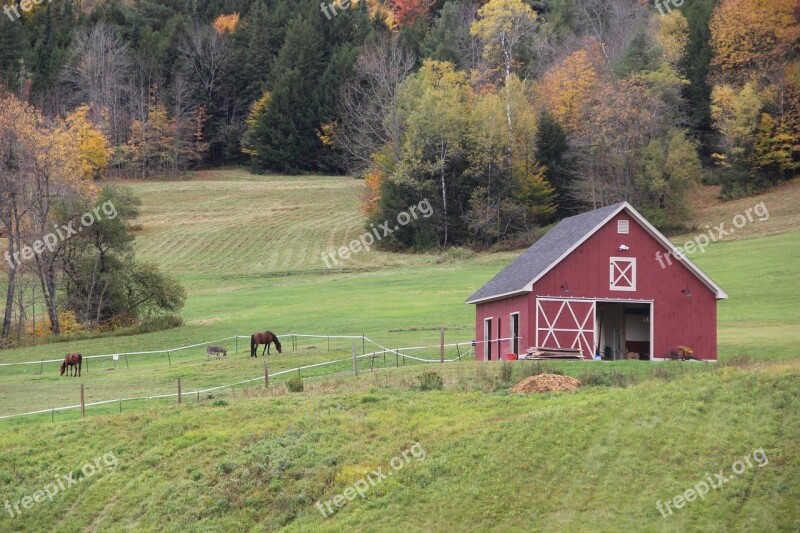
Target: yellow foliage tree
[672,35]
[736,114]
[566,88]
[751,37]
[92,144]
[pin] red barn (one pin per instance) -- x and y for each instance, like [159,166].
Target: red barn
[605,281]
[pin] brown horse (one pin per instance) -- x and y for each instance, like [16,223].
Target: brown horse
[266,338]
[74,361]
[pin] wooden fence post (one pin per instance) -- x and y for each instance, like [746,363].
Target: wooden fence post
[236,345]
[126,362]
[169,358]
[266,374]
[441,348]
[355,361]
[179,390]
[83,404]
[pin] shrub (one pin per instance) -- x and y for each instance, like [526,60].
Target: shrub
[430,381]
[295,385]
[219,403]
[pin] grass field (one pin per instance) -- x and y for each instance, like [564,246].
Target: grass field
[248,249]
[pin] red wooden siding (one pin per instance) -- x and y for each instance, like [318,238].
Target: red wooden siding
[677,319]
[502,310]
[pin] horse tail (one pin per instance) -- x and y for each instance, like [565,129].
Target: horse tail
[80,363]
[252,345]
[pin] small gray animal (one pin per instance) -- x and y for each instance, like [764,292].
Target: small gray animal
[216,350]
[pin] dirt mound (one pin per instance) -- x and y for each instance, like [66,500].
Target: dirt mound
[546,383]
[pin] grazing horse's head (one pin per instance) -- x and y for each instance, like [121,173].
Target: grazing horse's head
[277,343]
[63,367]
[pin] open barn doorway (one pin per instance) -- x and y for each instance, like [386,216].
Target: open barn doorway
[624,330]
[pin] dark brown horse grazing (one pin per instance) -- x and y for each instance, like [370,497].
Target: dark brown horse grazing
[74,361]
[266,338]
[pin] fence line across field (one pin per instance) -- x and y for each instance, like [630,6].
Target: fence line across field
[397,351]
[363,338]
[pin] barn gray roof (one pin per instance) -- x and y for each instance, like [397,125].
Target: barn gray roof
[545,253]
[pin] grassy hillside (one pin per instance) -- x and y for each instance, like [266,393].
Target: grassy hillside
[248,250]
[597,459]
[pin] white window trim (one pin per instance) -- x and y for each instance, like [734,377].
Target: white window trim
[487,332]
[613,269]
[511,332]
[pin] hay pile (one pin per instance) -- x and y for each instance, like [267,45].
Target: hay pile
[546,383]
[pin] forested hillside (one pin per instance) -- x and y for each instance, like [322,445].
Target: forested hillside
[505,114]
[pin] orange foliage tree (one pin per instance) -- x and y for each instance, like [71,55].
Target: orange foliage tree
[407,12]
[226,23]
[566,88]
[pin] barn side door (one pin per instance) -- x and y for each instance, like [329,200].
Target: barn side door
[565,323]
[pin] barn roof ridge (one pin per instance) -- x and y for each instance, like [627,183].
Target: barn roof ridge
[519,276]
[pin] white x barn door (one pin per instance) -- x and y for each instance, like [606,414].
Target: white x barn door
[565,324]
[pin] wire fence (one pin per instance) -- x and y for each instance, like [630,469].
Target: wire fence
[380,354]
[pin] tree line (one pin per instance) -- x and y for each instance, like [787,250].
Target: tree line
[506,113]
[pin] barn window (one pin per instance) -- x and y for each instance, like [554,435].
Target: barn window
[514,330]
[623,273]
[622,227]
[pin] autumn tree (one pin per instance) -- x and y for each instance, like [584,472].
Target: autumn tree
[19,126]
[407,12]
[92,144]
[567,88]
[505,28]
[752,38]
[226,23]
